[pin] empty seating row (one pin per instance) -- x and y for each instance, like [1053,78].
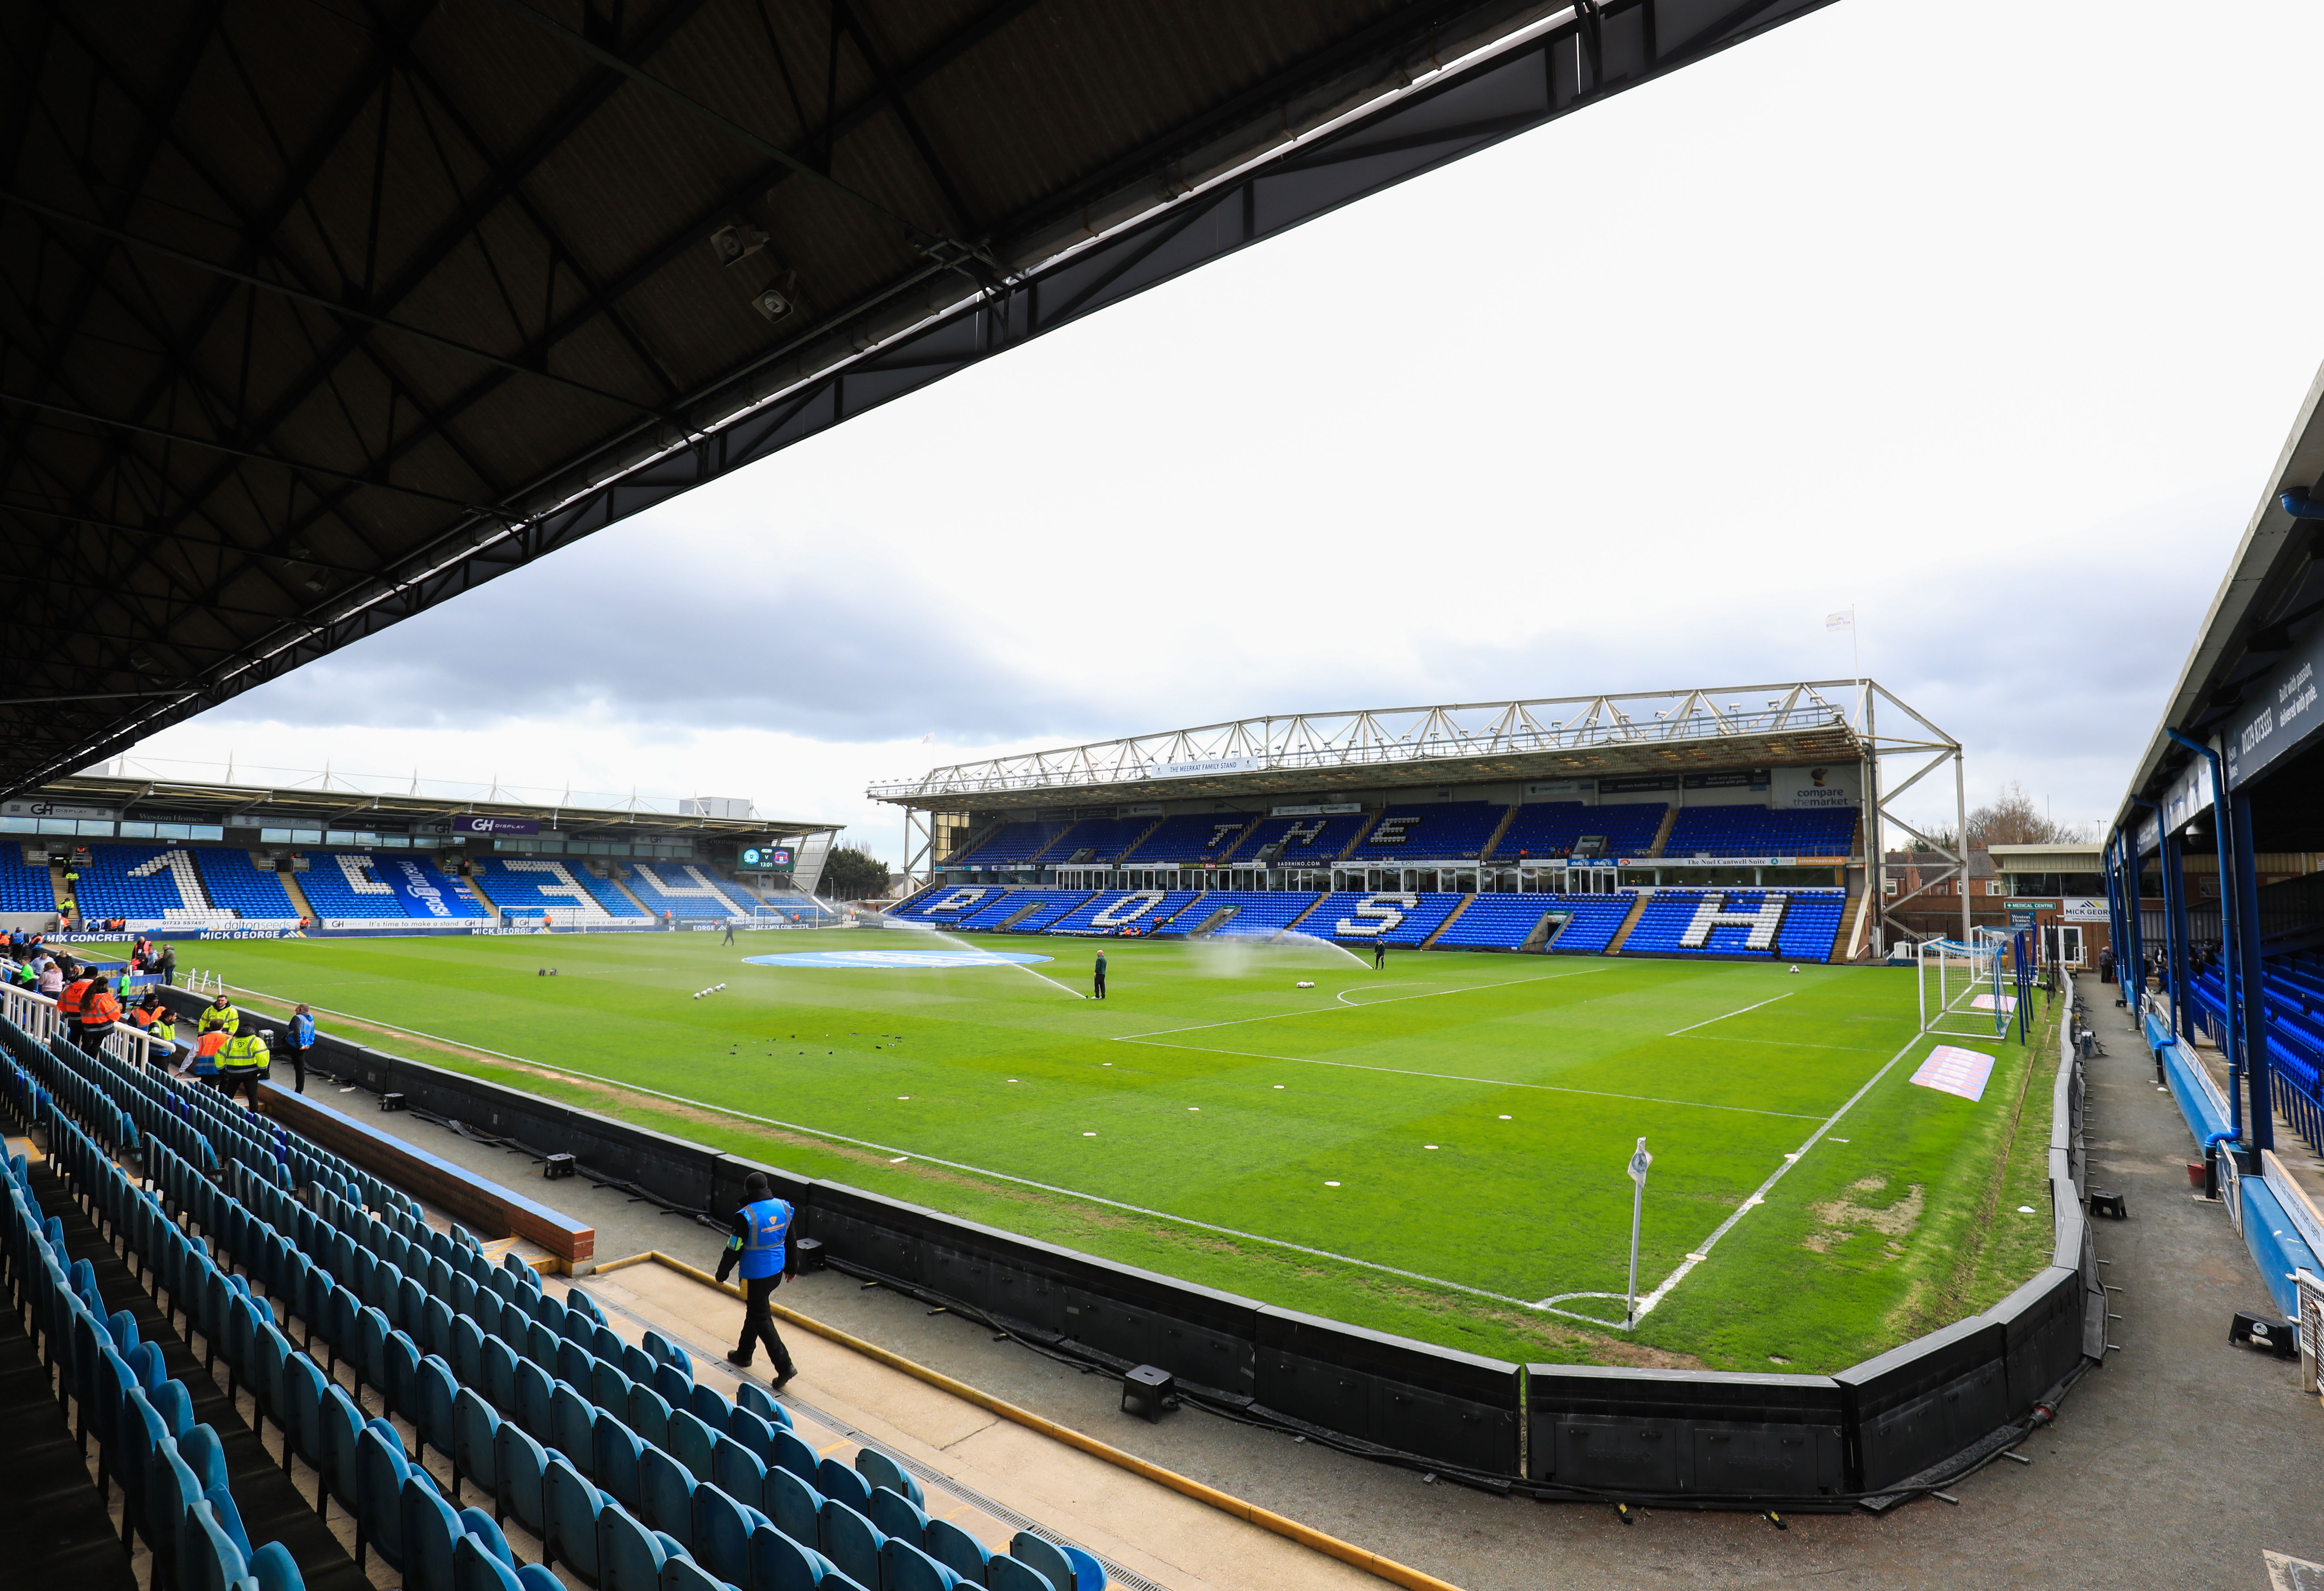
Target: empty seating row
[235,884]
[1251,913]
[24,887]
[1298,841]
[1191,837]
[687,892]
[629,1473]
[1758,831]
[1552,828]
[1506,922]
[1739,923]
[1026,911]
[1096,841]
[530,885]
[1123,911]
[1012,845]
[1356,916]
[171,1471]
[1444,831]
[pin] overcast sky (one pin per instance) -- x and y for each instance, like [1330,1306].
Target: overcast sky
[1989,323]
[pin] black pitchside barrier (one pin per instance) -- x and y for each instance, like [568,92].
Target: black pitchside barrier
[1905,1421]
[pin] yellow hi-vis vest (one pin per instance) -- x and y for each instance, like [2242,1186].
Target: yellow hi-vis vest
[245,1051]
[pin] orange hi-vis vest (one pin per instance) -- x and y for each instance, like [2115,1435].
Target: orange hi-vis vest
[70,1002]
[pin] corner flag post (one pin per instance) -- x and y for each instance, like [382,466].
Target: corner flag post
[1639,1162]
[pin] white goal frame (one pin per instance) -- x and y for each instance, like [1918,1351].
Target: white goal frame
[1951,974]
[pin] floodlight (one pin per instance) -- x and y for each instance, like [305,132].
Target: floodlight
[737,242]
[772,304]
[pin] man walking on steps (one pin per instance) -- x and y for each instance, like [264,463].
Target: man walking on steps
[1101,976]
[758,1243]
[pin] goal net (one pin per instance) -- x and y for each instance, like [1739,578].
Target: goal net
[1962,988]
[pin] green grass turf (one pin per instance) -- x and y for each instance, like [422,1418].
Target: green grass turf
[1459,1122]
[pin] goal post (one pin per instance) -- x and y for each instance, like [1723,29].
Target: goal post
[1960,985]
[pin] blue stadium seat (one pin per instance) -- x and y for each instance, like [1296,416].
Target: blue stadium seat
[688,892]
[1191,837]
[1355,916]
[1096,841]
[1147,911]
[1548,828]
[1257,914]
[235,884]
[24,887]
[531,885]
[1298,841]
[1505,922]
[1441,831]
[1012,845]
[1758,831]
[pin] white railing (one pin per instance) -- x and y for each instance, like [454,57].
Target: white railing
[36,1014]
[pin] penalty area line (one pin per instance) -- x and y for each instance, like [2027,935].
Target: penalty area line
[1707,1021]
[1759,1195]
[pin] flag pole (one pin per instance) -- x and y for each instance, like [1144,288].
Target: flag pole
[1639,1162]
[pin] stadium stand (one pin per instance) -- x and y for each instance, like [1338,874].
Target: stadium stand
[1253,913]
[688,893]
[1757,830]
[1306,842]
[1354,916]
[948,903]
[1191,837]
[233,883]
[1442,830]
[1550,828]
[383,887]
[1013,846]
[425,889]
[600,1455]
[347,885]
[145,884]
[529,885]
[1102,839]
[1505,922]
[1113,910]
[1047,905]
[1796,925]
[23,887]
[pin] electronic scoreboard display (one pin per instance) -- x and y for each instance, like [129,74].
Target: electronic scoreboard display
[766,858]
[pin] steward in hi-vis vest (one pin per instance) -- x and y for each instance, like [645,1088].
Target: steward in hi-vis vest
[220,1016]
[758,1245]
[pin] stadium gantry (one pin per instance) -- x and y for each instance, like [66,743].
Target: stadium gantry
[1472,825]
[316,321]
[2213,875]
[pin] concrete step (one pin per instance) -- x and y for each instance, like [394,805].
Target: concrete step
[1638,910]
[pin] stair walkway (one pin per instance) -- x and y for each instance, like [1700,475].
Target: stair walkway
[1638,910]
[1451,917]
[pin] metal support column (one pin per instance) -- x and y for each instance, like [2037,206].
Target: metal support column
[2230,932]
[2130,960]
[2174,922]
[2260,1132]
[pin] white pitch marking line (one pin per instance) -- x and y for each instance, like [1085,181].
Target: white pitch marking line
[1457,1077]
[1759,1196]
[1160,1215]
[1707,1021]
[1363,1005]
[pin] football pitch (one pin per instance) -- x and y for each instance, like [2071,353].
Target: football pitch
[1435,1148]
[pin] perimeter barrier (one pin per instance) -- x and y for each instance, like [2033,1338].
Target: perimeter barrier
[1899,1425]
